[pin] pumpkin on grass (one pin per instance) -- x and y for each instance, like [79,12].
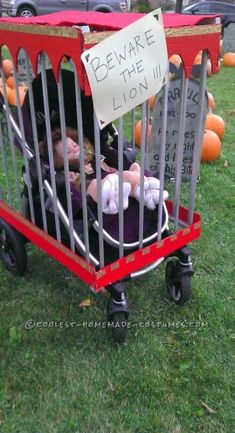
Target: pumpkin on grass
[10,82]
[137,132]
[211,101]
[198,59]
[151,102]
[211,146]
[215,123]
[197,64]
[1,87]
[176,60]
[229,59]
[7,67]
[12,96]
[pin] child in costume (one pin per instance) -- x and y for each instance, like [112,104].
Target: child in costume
[109,173]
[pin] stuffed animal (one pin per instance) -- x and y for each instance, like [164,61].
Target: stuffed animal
[131,188]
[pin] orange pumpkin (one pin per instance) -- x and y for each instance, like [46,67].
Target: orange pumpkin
[10,82]
[209,68]
[7,67]
[198,61]
[176,60]
[211,101]
[151,103]
[215,123]
[11,95]
[1,87]
[137,132]
[211,146]
[229,59]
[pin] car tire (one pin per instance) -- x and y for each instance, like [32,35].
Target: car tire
[26,12]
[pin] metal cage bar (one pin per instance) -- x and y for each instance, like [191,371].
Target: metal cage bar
[65,157]
[99,191]
[82,170]
[5,168]
[162,159]
[26,175]
[49,142]
[120,186]
[35,141]
[144,132]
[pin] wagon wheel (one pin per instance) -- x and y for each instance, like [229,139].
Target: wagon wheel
[119,325]
[178,283]
[12,249]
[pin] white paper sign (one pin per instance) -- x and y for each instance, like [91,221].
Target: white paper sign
[127,68]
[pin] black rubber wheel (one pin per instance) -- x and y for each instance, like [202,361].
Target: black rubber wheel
[26,12]
[119,325]
[178,284]
[12,249]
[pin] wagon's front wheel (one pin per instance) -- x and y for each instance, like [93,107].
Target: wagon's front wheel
[12,249]
[119,325]
[178,283]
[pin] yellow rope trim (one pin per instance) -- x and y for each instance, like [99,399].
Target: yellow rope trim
[96,37]
[193,30]
[65,32]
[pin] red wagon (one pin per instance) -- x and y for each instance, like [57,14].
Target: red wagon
[48,208]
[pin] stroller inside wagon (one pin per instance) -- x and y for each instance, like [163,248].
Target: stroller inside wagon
[78,183]
[101,226]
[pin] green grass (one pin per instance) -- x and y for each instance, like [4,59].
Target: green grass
[68,379]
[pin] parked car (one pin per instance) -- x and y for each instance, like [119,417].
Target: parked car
[226,10]
[29,8]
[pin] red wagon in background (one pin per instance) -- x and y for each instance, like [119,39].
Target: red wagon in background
[51,90]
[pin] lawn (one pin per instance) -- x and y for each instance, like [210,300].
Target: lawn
[174,373]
